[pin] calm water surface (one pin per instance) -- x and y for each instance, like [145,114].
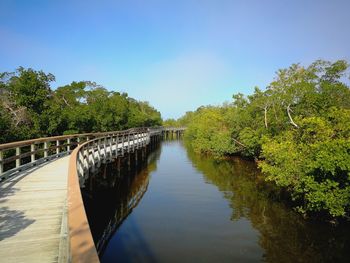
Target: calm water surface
[181,207]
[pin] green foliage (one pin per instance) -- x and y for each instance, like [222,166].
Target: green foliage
[311,165]
[142,114]
[209,132]
[251,140]
[5,126]
[29,108]
[299,127]
[170,123]
[30,88]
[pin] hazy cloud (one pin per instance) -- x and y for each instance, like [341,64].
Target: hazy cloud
[183,81]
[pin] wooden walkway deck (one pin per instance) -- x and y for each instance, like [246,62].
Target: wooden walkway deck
[32,214]
[33,203]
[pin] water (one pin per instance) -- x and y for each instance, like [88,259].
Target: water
[182,207]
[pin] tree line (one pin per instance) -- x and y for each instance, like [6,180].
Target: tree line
[297,129]
[30,108]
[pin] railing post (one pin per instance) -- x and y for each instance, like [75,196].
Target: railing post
[58,147]
[80,165]
[18,153]
[128,142]
[89,156]
[122,144]
[138,140]
[86,158]
[111,147]
[46,154]
[68,145]
[113,142]
[32,156]
[99,150]
[92,157]
[105,148]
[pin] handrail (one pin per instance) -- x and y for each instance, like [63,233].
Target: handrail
[17,156]
[170,128]
[81,244]
[84,158]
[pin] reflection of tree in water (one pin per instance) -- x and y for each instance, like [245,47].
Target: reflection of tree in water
[113,198]
[285,236]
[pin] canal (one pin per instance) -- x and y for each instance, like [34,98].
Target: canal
[177,206]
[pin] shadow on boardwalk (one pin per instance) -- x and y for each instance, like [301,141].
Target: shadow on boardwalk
[12,222]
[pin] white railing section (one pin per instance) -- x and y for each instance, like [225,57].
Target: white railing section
[100,150]
[18,156]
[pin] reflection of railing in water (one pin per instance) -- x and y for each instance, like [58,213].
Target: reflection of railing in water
[123,210]
[83,161]
[121,191]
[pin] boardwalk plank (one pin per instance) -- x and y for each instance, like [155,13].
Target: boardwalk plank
[31,206]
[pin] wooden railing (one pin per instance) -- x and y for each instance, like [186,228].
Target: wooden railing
[18,156]
[87,151]
[175,129]
[83,161]
[102,149]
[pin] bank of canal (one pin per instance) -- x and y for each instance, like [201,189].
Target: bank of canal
[181,207]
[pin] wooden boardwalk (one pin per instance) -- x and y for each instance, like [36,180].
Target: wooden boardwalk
[33,214]
[42,218]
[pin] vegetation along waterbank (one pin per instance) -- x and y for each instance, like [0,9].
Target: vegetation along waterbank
[298,130]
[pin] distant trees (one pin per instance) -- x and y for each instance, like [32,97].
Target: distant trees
[170,123]
[299,129]
[29,108]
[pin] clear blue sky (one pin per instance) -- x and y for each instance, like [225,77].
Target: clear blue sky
[176,54]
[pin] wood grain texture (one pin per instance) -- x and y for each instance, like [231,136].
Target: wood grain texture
[32,205]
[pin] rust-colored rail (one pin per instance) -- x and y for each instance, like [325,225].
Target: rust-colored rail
[83,160]
[81,244]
